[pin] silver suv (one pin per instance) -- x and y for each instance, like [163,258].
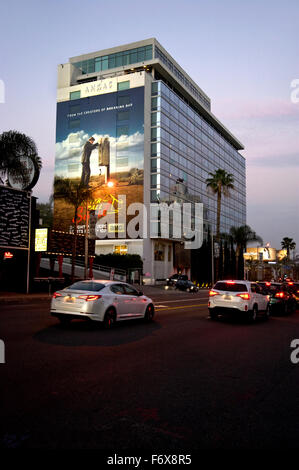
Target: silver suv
[238,297]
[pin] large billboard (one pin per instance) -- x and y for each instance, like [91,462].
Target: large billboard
[100,144]
[14,218]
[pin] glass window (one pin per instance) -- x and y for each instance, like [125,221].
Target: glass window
[118,59]
[121,249]
[123,85]
[155,88]
[154,164]
[122,130]
[129,290]
[75,108]
[111,61]
[159,252]
[153,181]
[148,52]
[133,56]
[75,95]
[123,115]
[117,289]
[74,123]
[123,100]
[154,133]
[153,150]
[87,285]
[105,62]
[98,64]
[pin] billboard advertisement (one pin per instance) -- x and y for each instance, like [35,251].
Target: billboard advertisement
[100,144]
[14,218]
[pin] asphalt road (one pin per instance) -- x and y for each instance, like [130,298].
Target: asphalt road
[180,383]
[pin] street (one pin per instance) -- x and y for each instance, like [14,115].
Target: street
[182,382]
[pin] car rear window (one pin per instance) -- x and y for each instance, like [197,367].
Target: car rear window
[231,287]
[91,286]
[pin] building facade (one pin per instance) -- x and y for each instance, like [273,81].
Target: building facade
[154,136]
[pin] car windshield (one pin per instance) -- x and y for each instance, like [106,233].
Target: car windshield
[231,287]
[90,286]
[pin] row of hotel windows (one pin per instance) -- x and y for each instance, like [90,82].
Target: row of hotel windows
[159,54]
[174,105]
[119,59]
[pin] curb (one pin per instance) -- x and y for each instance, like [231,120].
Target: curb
[23,300]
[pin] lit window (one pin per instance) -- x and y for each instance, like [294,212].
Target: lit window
[121,249]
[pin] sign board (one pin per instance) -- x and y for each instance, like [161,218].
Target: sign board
[41,239]
[31,172]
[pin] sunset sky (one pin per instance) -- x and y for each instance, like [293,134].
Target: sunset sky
[244,55]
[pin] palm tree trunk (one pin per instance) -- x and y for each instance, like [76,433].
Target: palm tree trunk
[237,261]
[218,215]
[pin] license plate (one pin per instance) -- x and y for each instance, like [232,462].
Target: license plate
[227,297]
[70,299]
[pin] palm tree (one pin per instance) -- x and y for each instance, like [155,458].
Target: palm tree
[241,236]
[74,193]
[220,183]
[14,146]
[288,244]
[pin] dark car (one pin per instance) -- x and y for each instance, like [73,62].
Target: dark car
[186,285]
[293,287]
[268,286]
[282,300]
[172,280]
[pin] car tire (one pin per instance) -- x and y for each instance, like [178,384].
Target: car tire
[253,314]
[267,313]
[213,315]
[149,313]
[109,319]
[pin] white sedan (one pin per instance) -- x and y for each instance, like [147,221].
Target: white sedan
[104,301]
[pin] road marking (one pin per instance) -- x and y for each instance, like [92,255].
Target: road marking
[182,306]
[180,300]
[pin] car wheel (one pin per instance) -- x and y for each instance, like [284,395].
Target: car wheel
[267,313]
[253,314]
[149,313]
[109,319]
[213,315]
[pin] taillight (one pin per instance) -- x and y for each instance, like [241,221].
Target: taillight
[89,298]
[244,296]
[212,293]
[280,295]
[268,284]
[56,294]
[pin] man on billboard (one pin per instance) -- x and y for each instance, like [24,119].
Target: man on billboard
[85,160]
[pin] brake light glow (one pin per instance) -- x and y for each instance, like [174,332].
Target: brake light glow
[90,298]
[230,282]
[268,284]
[290,283]
[279,295]
[212,293]
[56,294]
[244,296]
